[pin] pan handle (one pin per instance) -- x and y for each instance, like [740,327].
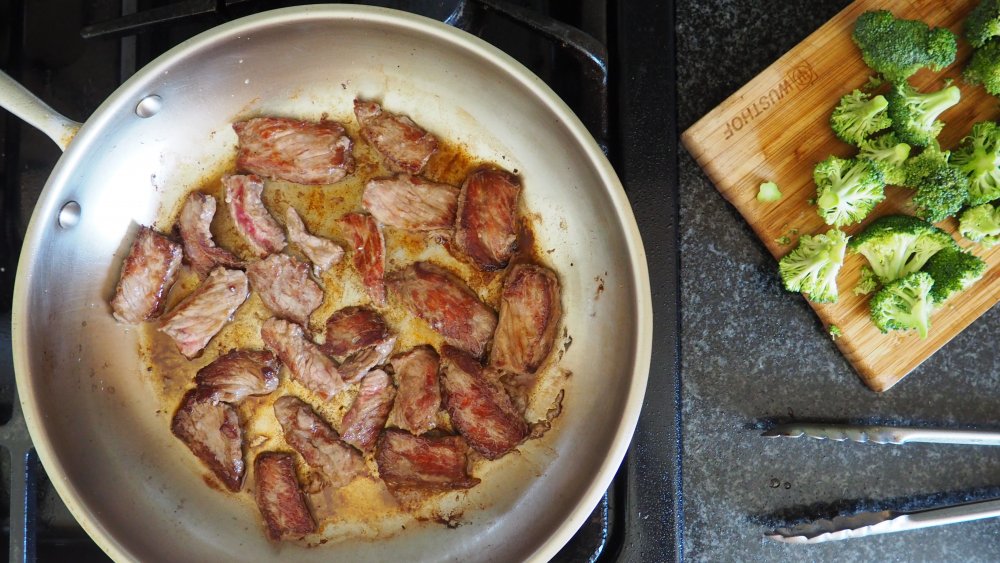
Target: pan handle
[29,107]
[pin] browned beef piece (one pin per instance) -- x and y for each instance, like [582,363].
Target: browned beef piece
[211,430]
[480,410]
[359,337]
[358,364]
[446,304]
[404,145]
[369,412]
[201,315]
[406,461]
[318,444]
[309,366]
[323,253]
[239,374]
[298,151]
[147,274]
[529,318]
[253,221]
[284,285]
[353,329]
[486,225]
[419,397]
[279,497]
[412,203]
[368,252]
[194,226]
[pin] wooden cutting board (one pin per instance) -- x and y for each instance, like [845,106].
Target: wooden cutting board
[777,128]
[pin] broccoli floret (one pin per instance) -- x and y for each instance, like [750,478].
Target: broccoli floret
[888,154]
[984,67]
[983,22]
[897,48]
[942,194]
[953,271]
[868,281]
[835,332]
[904,304]
[942,189]
[897,245]
[768,192]
[847,189]
[813,266]
[858,116]
[914,114]
[978,157]
[981,224]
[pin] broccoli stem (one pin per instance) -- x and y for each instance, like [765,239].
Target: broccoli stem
[935,103]
[873,107]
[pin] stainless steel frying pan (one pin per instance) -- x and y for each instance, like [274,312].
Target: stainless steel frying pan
[99,429]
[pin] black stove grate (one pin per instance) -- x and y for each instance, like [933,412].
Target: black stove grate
[76,60]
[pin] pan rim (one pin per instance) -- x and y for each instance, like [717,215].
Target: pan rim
[45,210]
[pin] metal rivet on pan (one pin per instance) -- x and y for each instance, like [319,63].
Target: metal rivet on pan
[69,215]
[149,106]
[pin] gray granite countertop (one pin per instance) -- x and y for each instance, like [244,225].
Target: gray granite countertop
[752,352]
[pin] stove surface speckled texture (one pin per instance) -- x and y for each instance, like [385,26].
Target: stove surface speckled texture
[750,352]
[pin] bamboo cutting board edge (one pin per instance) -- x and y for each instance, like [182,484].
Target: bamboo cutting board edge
[809,79]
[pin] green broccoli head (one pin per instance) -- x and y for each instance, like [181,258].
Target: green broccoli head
[941,194]
[904,304]
[942,189]
[888,154]
[981,224]
[897,48]
[847,189]
[953,271]
[983,22]
[897,245]
[858,116]
[984,68]
[978,157]
[813,266]
[914,114]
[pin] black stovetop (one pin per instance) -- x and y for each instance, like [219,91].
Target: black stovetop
[611,61]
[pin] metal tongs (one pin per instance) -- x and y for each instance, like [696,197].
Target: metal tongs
[886,521]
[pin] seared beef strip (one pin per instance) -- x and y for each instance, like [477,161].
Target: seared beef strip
[486,225]
[298,151]
[317,442]
[406,461]
[323,253]
[480,410]
[147,274]
[358,364]
[285,287]
[368,252]
[529,318]
[419,397]
[353,329]
[369,412]
[239,374]
[412,203]
[253,222]
[359,337]
[211,430]
[405,146]
[446,304]
[279,497]
[309,366]
[194,226]
[201,315]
